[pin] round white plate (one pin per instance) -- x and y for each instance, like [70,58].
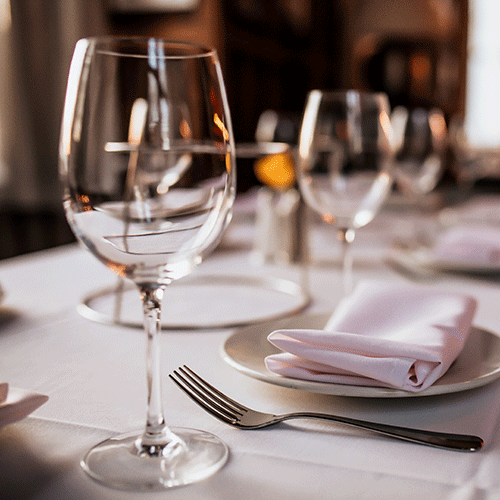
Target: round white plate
[477,365]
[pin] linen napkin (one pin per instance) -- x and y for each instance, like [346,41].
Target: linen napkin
[16,404]
[473,245]
[383,334]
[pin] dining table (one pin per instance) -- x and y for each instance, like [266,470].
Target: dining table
[61,337]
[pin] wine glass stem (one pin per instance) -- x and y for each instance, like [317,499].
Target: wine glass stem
[156,434]
[346,236]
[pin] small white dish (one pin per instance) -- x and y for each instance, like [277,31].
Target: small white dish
[19,404]
[477,365]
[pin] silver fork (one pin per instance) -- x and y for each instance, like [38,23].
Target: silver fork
[233,413]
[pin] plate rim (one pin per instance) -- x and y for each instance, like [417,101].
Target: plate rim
[331,389]
[422,257]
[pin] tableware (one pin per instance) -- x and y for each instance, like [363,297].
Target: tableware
[420,144]
[148,171]
[477,365]
[423,258]
[233,413]
[18,404]
[344,161]
[229,301]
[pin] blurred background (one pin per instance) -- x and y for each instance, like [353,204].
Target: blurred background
[272,52]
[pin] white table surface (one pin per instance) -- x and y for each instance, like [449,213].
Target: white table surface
[94,375]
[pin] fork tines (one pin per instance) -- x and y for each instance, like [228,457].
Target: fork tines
[206,395]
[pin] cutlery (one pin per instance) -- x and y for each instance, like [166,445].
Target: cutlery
[233,413]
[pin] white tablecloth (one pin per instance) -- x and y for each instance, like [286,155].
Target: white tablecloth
[94,375]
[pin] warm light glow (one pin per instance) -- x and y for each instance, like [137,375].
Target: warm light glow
[420,67]
[221,127]
[137,121]
[276,171]
[329,219]
[119,269]
[85,201]
[385,123]
[437,124]
[228,162]
[185,129]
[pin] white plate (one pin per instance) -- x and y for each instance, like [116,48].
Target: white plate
[423,258]
[477,365]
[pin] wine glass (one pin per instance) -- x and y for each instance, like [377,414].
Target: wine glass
[148,171]
[420,142]
[420,138]
[344,161]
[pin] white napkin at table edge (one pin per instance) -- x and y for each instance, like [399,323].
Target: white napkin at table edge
[19,404]
[470,244]
[404,351]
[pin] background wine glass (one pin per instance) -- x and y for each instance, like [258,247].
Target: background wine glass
[148,170]
[420,138]
[344,161]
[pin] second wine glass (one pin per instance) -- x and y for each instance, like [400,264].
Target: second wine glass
[420,144]
[344,161]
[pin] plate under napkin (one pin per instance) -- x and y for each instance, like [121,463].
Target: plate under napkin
[386,335]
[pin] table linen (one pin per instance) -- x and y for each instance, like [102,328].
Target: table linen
[95,379]
[468,244]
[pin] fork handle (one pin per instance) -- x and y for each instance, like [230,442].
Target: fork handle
[438,439]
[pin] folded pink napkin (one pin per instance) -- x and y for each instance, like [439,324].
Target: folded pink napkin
[383,334]
[476,245]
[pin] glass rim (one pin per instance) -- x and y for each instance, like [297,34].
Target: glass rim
[179,49]
[344,93]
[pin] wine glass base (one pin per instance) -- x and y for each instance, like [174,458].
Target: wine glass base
[116,462]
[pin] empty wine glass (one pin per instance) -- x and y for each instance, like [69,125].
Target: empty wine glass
[148,171]
[420,138]
[344,161]
[420,142]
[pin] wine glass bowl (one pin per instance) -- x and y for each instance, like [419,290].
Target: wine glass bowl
[344,161]
[147,166]
[421,140]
